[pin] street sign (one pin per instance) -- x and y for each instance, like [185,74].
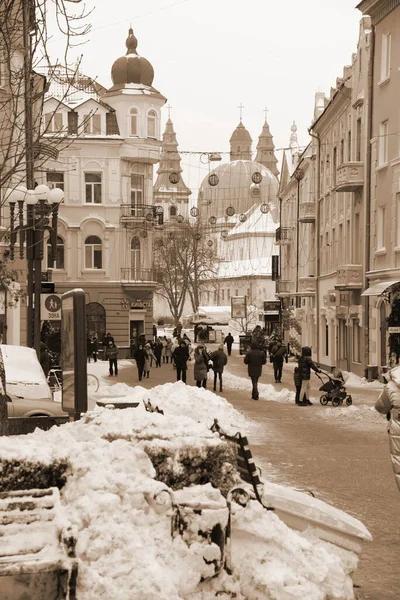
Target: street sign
[50,307]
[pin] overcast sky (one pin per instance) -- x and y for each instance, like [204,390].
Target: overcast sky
[209,56]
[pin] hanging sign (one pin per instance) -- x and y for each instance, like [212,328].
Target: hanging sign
[238,307]
[50,307]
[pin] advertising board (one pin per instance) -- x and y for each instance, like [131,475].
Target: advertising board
[238,307]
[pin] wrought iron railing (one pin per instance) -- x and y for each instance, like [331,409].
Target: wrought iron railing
[139,275]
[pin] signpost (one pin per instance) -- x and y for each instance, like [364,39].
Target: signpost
[238,307]
[50,307]
[73,353]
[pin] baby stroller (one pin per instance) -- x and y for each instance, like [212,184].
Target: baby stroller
[334,391]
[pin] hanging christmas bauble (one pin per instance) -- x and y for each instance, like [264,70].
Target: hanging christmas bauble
[255,190]
[224,234]
[179,219]
[171,235]
[212,220]
[230,211]
[242,218]
[256,177]
[174,177]
[209,243]
[194,211]
[143,234]
[149,217]
[264,208]
[197,236]
[213,179]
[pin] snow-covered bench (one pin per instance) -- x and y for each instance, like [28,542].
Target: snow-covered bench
[37,558]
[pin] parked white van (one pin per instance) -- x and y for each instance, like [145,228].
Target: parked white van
[28,393]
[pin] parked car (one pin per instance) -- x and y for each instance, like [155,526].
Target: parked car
[27,390]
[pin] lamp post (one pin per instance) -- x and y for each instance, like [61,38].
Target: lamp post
[41,215]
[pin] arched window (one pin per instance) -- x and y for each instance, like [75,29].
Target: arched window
[93,252]
[96,320]
[151,124]
[59,264]
[135,258]
[133,121]
[173,211]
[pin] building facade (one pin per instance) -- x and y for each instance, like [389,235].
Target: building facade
[108,218]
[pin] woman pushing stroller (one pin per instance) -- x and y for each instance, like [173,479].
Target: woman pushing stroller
[304,372]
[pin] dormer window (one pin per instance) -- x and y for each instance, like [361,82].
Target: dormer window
[53,122]
[134,121]
[92,124]
[151,124]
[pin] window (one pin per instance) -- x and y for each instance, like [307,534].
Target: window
[151,124]
[334,166]
[92,124]
[380,228]
[93,253]
[342,339]
[222,295]
[340,244]
[326,338]
[383,143]
[341,157]
[385,56]
[135,258]
[237,293]
[173,211]
[59,264]
[398,219]
[134,121]
[93,188]
[53,122]
[137,185]
[228,294]
[349,145]
[358,140]
[357,237]
[55,180]
[356,341]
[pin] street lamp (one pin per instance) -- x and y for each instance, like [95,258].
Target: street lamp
[41,204]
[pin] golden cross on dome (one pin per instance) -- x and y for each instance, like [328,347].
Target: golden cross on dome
[266,112]
[169,110]
[241,107]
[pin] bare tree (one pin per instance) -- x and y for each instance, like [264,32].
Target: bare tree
[172,284]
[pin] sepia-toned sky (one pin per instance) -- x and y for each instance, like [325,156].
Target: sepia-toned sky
[209,56]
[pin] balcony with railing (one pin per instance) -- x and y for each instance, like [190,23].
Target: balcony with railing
[307,286]
[283,236]
[349,277]
[133,275]
[350,177]
[283,287]
[136,213]
[307,212]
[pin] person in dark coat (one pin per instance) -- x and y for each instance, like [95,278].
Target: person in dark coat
[297,384]
[158,348]
[305,366]
[229,341]
[89,348]
[200,368]
[255,359]
[154,332]
[180,356]
[112,355]
[278,356]
[140,355]
[219,360]
[95,347]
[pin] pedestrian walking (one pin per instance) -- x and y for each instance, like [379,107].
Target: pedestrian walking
[255,359]
[200,367]
[158,349]
[388,404]
[164,349]
[180,356]
[112,355]
[297,383]
[89,348]
[271,346]
[154,332]
[229,341]
[149,359]
[279,354]
[140,357]
[305,366]
[44,358]
[219,360]
[95,347]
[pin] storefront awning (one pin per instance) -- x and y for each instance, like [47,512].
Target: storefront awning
[378,288]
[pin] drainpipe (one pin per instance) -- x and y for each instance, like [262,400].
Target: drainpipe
[367,179]
[317,225]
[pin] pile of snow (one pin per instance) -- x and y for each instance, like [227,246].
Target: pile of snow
[121,514]
[353,380]
[366,414]
[266,390]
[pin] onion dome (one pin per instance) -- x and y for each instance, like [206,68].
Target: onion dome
[240,143]
[132,68]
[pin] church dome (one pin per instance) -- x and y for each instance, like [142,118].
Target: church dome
[241,134]
[132,68]
[237,190]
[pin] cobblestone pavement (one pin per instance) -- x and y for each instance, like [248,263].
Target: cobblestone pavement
[343,462]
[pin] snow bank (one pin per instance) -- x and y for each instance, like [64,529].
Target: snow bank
[353,380]
[121,513]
